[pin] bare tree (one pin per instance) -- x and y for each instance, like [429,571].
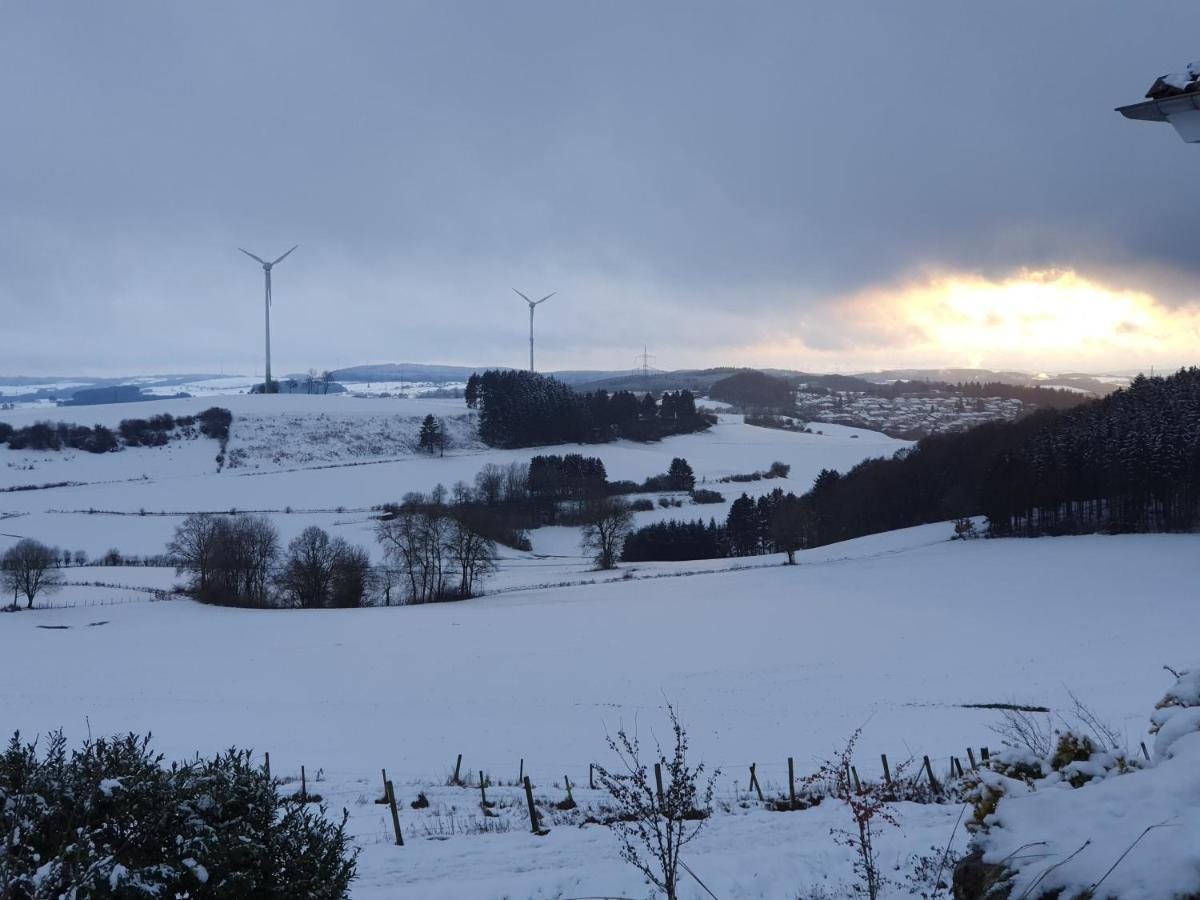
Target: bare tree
[415,539]
[516,482]
[656,815]
[307,571]
[231,558]
[489,484]
[29,568]
[193,548]
[384,579]
[471,554]
[607,522]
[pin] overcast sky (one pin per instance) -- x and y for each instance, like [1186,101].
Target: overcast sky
[765,183]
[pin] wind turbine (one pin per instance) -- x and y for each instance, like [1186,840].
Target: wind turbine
[267,266]
[532,304]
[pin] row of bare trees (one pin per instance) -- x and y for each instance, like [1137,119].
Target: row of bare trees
[437,549]
[238,561]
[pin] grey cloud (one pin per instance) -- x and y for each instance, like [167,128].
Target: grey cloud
[731,167]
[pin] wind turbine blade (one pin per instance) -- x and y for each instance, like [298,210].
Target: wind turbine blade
[547,297]
[252,256]
[285,256]
[523,297]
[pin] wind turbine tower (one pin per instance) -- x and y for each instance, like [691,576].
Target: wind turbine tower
[267,266]
[532,305]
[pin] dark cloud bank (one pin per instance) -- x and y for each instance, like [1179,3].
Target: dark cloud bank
[696,176]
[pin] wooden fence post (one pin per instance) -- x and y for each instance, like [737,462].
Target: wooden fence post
[533,816]
[591,779]
[887,772]
[658,782]
[1145,753]
[857,783]
[792,782]
[984,756]
[391,798]
[457,768]
[303,786]
[482,790]
[754,782]
[971,757]
[521,776]
[567,784]
[933,782]
[383,772]
[267,764]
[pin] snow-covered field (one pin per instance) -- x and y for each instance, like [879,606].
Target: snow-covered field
[895,633]
[329,459]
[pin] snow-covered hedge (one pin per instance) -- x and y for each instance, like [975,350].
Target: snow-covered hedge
[109,820]
[1089,821]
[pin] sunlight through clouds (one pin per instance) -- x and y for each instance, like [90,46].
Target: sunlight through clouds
[1033,320]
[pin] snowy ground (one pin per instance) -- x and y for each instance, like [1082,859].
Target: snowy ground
[330,459]
[893,633]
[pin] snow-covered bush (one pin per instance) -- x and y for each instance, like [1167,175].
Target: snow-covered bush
[1177,713]
[1089,821]
[109,820]
[964,530]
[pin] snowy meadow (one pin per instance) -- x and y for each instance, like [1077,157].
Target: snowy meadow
[908,636]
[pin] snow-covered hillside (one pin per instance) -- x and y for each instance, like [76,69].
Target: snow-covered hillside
[329,459]
[903,634]
[895,633]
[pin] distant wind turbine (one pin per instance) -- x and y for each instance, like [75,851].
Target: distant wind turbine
[267,266]
[532,304]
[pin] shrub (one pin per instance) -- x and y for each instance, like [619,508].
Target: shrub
[704,495]
[869,805]
[623,487]
[641,505]
[656,818]
[110,820]
[1176,714]
[215,422]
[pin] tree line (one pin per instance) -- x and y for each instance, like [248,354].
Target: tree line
[152,432]
[525,409]
[1127,462]
[237,560]
[775,522]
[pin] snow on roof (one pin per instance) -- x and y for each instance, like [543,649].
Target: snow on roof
[1173,83]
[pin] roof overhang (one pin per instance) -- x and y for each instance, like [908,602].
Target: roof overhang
[1182,111]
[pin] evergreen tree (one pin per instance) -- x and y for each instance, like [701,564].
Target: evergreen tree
[680,475]
[430,436]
